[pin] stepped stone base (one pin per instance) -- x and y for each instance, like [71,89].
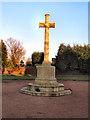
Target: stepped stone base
[45,84]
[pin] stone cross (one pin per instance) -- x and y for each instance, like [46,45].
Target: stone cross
[47,25]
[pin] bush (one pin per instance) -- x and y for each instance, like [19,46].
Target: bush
[68,60]
[83,65]
[37,58]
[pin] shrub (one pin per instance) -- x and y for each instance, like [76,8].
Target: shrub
[83,65]
[68,60]
[37,58]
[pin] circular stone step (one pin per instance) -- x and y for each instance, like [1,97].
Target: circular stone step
[38,93]
[45,88]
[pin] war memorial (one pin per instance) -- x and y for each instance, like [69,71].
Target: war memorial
[45,83]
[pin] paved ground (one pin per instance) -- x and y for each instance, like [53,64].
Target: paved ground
[17,105]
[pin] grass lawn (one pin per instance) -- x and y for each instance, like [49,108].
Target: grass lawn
[73,77]
[18,77]
[32,77]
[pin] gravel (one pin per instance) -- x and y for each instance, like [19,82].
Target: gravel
[17,105]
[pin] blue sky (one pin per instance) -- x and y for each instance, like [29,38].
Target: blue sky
[20,21]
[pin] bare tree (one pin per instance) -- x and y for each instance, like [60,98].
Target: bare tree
[16,51]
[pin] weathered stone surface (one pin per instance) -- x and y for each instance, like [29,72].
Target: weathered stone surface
[46,74]
[47,25]
[45,84]
[26,91]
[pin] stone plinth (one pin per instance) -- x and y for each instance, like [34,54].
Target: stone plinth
[45,83]
[46,74]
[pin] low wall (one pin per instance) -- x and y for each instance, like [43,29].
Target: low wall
[21,70]
[31,70]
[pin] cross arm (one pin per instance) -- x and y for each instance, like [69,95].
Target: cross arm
[52,25]
[41,25]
